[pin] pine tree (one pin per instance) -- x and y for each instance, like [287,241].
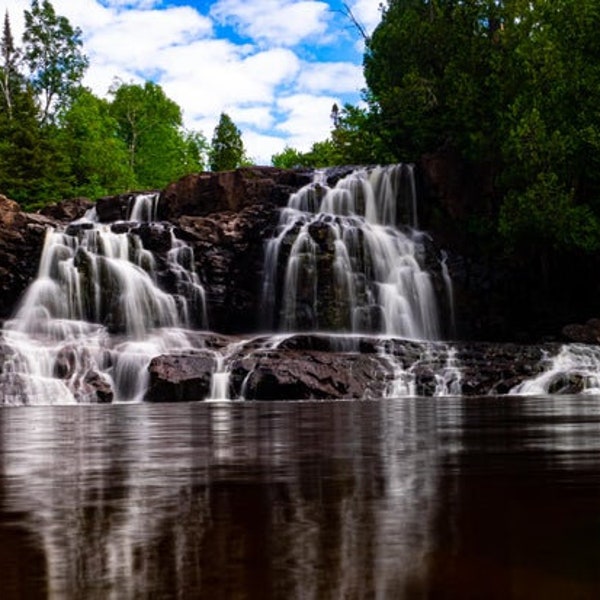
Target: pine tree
[227,149]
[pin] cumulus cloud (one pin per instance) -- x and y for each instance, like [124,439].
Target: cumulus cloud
[267,76]
[368,13]
[306,118]
[339,77]
[280,22]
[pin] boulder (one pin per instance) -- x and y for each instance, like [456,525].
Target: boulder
[204,193]
[282,375]
[588,333]
[67,210]
[181,377]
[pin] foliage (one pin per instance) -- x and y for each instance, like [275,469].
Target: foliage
[52,53]
[32,167]
[508,83]
[151,126]
[9,76]
[57,139]
[288,158]
[99,159]
[227,148]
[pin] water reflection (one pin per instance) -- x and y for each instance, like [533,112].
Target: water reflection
[395,499]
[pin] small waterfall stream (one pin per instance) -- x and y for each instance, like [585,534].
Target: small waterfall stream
[89,324]
[575,369]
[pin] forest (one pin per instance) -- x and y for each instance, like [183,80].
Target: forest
[59,140]
[508,87]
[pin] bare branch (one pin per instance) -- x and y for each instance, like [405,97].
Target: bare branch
[347,12]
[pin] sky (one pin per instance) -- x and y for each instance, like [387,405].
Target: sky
[276,67]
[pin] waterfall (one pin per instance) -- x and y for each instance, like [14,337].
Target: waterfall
[575,369]
[346,260]
[89,324]
[434,370]
[349,258]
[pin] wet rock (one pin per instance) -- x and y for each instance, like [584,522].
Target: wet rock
[117,208]
[154,236]
[204,193]
[281,375]
[229,252]
[588,333]
[182,377]
[21,241]
[99,389]
[68,210]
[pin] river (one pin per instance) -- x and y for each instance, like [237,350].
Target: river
[407,498]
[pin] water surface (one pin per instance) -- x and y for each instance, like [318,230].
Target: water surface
[407,498]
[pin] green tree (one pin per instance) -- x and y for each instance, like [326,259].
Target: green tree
[288,158]
[357,138]
[52,50]
[227,148]
[98,158]
[9,76]
[508,86]
[150,124]
[34,167]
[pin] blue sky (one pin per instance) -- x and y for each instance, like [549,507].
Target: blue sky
[275,66]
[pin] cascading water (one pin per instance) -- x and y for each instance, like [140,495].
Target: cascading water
[346,261]
[91,321]
[342,261]
[575,369]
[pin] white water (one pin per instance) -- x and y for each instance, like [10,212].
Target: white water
[438,360]
[340,262]
[345,260]
[96,314]
[576,366]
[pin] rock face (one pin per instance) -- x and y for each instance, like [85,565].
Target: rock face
[588,333]
[21,239]
[205,193]
[181,377]
[229,252]
[67,210]
[305,366]
[226,218]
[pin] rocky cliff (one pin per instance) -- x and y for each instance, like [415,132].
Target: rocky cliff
[227,217]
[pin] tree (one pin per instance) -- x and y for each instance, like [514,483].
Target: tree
[195,156]
[508,87]
[227,148]
[98,157]
[357,138]
[151,126]
[8,69]
[288,158]
[52,52]
[34,167]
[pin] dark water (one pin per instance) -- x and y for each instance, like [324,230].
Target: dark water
[411,498]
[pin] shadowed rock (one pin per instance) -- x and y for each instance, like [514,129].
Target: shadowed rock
[181,377]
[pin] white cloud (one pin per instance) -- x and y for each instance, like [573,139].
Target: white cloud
[135,39]
[212,76]
[280,22]
[307,119]
[338,77]
[266,82]
[368,13]
[260,148]
[130,3]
